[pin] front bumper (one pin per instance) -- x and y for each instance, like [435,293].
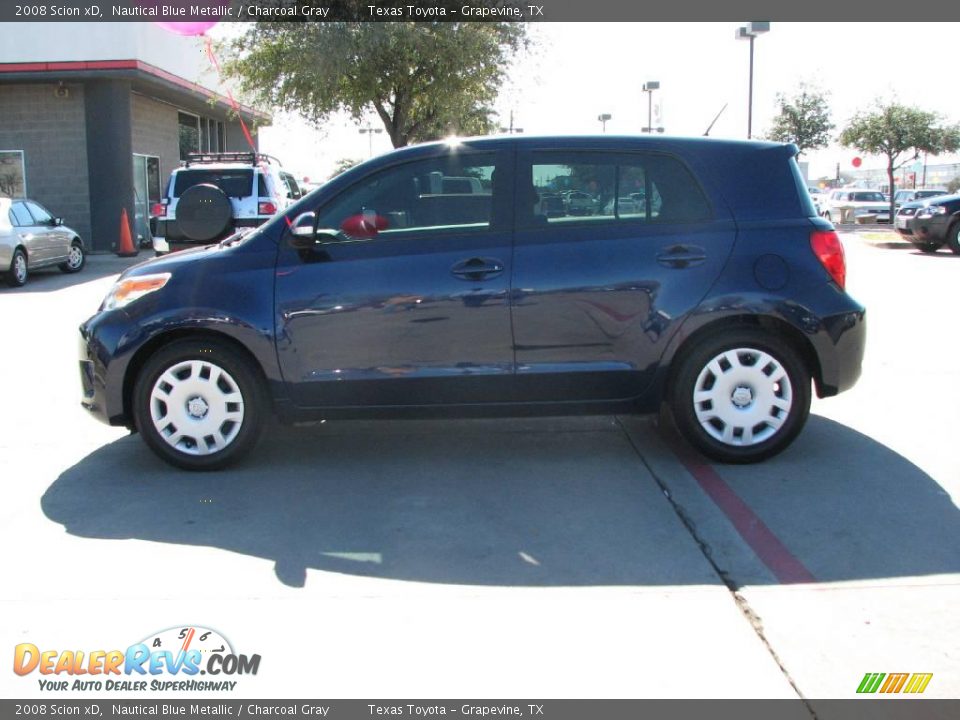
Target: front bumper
[924,230]
[102,366]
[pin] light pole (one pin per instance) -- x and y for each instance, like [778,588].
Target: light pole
[648,88]
[369,130]
[511,129]
[749,32]
[603,117]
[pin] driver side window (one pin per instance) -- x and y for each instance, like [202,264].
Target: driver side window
[453,193]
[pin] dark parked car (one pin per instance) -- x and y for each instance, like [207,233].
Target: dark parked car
[377,295]
[930,224]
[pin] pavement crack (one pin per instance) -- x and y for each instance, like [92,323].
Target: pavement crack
[741,602]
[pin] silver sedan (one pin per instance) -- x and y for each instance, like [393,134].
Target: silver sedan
[32,238]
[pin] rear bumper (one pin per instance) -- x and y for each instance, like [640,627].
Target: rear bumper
[840,345]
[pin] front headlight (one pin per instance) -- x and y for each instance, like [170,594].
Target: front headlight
[932,210]
[130,289]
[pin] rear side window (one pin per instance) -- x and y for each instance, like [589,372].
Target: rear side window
[236,183]
[596,187]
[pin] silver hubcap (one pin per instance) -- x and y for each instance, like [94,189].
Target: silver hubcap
[742,397]
[20,268]
[197,407]
[75,257]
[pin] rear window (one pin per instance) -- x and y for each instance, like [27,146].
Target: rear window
[234,183]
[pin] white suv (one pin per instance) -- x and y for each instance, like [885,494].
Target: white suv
[213,195]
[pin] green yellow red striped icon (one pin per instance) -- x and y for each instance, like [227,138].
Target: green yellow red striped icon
[914,683]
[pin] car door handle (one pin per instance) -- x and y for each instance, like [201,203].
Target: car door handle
[477,268]
[681,256]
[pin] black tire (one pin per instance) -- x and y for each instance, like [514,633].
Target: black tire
[179,415]
[928,247]
[757,402]
[203,212]
[76,262]
[19,269]
[953,238]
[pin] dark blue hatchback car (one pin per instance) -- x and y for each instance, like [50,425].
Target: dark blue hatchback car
[500,276]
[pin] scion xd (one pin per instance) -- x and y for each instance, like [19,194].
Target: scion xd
[433,281]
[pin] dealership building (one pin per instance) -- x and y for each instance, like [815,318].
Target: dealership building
[94,116]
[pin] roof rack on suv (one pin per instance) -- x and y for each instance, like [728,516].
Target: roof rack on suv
[250,158]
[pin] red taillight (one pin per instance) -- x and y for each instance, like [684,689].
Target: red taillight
[158,210]
[266,207]
[829,251]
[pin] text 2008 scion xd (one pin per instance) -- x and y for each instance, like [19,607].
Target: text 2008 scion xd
[497,276]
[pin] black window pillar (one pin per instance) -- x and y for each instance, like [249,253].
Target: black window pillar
[109,160]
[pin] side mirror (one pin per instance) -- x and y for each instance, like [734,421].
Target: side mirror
[303,236]
[56,222]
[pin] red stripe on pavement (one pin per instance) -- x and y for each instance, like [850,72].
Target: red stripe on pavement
[767,546]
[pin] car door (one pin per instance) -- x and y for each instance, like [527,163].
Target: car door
[29,234]
[54,238]
[409,303]
[598,296]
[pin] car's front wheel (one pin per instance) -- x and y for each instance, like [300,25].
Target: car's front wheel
[741,396]
[75,258]
[199,404]
[19,269]
[953,238]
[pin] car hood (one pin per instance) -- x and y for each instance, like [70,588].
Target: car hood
[935,200]
[172,261]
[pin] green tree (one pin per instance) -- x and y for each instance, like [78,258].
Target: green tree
[804,119]
[342,165]
[894,131]
[424,80]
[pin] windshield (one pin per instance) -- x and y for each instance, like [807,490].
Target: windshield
[867,197]
[930,193]
[234,183]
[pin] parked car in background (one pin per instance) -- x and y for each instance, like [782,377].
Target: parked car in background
[853,205]
[213,195]
[31,238]
[932,223]
[373,298]
[904,196]
[819,200]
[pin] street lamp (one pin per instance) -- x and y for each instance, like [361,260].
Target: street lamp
[511,129]
[648,88]
[369,130]
[603,117]
[749,32]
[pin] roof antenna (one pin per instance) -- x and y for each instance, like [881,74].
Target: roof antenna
[710,126]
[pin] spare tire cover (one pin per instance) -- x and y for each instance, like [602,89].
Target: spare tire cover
[203,212]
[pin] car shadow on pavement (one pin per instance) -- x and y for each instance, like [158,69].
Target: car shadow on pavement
[850,508]
[504,503]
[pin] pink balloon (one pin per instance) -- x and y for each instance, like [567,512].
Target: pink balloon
[187,28]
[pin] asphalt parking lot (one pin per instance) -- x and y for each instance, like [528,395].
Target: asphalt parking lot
[571,557]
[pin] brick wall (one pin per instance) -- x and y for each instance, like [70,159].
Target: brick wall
[51,131]
[155,133]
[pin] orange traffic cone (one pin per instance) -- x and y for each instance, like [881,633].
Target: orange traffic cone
[125,248]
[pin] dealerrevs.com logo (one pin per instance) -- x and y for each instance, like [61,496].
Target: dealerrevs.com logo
[171,659]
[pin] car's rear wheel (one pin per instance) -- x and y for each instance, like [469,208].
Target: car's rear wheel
[741,396]
[19,269]
[199,404]
[76,258]
[953,238]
